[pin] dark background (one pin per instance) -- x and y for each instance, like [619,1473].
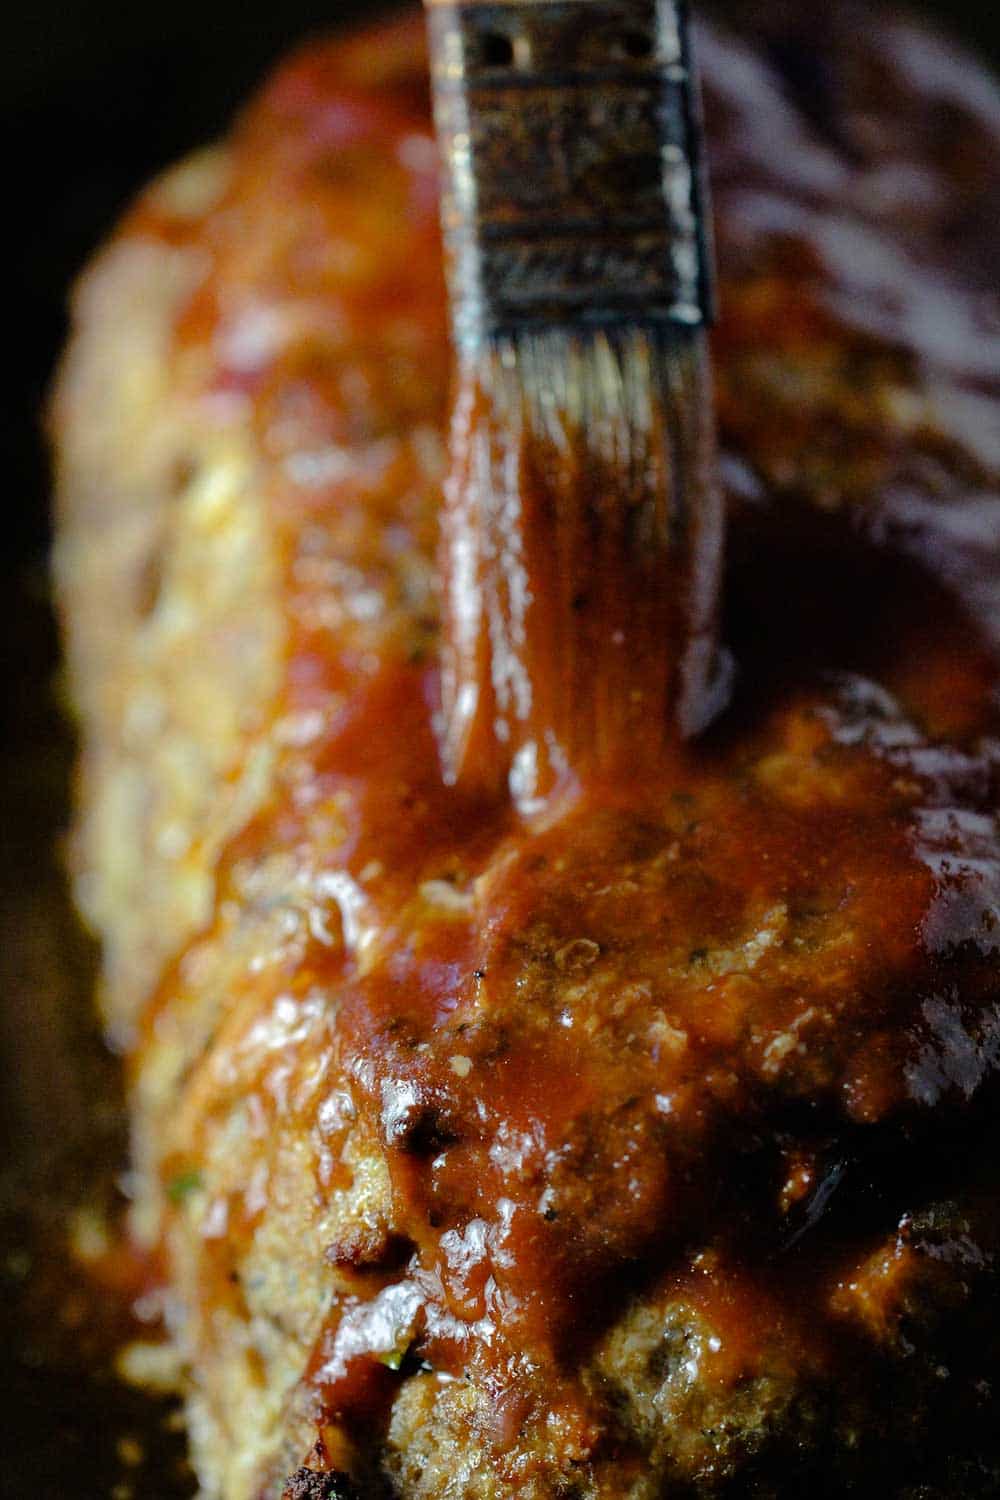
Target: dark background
[94,98]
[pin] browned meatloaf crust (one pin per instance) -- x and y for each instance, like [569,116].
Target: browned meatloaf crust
[651,1151]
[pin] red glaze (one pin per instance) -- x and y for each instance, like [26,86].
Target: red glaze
[641,1031]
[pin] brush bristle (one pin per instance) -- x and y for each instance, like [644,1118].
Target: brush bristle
[582,554]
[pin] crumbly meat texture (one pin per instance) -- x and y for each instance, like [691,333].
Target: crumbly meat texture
[614,1157]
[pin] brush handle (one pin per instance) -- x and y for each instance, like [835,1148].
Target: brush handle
[573,190]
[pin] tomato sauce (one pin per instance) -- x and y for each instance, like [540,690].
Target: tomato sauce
[703,1020]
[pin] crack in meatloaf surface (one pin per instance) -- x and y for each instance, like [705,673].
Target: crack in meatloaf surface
[646,1149]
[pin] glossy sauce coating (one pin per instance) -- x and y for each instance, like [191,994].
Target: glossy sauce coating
[639,1041]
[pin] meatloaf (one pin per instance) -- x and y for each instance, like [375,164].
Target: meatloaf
[643,1149]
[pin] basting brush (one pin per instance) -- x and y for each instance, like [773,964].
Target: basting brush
[583,524]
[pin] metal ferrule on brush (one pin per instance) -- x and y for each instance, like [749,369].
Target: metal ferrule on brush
[573,190]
